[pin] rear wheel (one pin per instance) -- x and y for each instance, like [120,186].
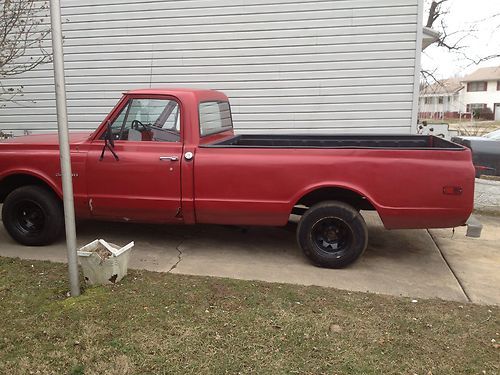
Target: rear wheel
[33,216]
[332,234]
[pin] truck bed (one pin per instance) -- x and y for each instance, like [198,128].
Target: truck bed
[410,142]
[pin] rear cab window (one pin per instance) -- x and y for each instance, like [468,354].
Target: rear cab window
[215,117]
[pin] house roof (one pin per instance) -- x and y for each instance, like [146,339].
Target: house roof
[484,74]
[443,87]
[429,36]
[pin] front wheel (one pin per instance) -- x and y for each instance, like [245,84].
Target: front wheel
[33,216]
[332,234]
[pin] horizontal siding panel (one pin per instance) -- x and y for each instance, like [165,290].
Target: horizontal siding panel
[332,116]
[166,74]
[247,26]
[96,67]
[35,92]
[255,117]
[214,8]
[171,45]
[181,17]
[273,101]
[92,120]
[49,101]
[255,5]
[297,107]
[185,51]
[261,127]
[174,35]
[111,82]
[321,125]
[380,129]
[320,91]
[244,60]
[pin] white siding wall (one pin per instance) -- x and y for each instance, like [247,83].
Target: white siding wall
[451,103]
[287,65]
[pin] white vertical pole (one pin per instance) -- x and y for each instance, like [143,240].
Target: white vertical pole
[62,124]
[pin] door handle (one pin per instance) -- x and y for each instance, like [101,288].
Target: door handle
[171,158]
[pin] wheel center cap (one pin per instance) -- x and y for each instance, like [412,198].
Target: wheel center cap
[331,234]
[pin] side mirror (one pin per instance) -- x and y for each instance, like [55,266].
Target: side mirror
[109,143]
[109,135]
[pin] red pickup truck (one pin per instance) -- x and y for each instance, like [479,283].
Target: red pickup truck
[170,156]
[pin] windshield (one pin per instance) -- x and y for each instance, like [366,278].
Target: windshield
[145,119]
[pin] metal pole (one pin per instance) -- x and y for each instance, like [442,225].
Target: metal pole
[62,124]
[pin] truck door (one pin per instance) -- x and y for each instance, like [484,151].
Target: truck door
[142,182]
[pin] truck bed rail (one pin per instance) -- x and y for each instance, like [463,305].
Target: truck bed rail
[411,142]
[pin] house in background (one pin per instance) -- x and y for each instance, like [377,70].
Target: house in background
[441,100]
[459,97]
[482,90]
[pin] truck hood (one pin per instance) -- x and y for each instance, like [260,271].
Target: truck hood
[48,139]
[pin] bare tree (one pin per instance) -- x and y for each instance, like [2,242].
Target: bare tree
[456,41]
[435,12]
[22,30]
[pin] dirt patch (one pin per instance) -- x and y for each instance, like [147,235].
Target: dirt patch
[102,251]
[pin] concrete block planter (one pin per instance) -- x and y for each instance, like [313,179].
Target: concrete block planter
[487,195]
[103,262]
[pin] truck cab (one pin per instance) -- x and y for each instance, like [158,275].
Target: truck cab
[155,135]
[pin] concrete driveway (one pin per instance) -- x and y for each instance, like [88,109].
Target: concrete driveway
[414,263]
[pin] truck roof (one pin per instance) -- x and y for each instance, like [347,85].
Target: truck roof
[200,94]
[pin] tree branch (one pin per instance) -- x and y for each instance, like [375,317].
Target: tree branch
[434,12]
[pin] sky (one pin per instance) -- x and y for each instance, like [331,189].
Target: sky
[483,40]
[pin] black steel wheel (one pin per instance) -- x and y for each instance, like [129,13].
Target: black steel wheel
[33,216]
[332,234]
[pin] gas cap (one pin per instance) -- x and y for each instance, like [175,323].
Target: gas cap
[188,155]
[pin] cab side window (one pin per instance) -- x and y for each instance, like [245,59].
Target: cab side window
[149,120]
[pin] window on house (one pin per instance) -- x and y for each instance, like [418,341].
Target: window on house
[440,100]
[498,85]
[428,100]
[475,106]
[477,86]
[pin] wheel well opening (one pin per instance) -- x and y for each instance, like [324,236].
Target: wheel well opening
[11,183]
[347,196]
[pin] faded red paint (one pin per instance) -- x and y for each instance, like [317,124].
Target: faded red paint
[241,186]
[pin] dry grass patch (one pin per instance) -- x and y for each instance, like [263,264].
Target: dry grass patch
[155,323]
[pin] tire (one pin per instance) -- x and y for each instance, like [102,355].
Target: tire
[332,234]
[33,216]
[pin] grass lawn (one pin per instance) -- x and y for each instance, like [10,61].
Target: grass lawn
[155,323]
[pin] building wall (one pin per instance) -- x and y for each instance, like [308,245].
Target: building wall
[451,103]
[294,66]
[489,97]
[450,107]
